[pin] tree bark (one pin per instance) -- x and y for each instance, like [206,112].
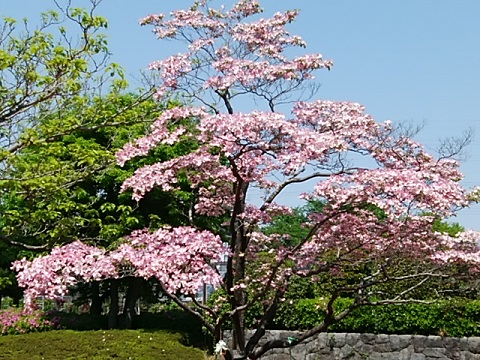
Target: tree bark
[96,306]
[114,308]
[131,298]
[237,267]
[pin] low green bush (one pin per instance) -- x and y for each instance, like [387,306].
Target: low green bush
[456,318]
[170,318]
[78,322]
[174,320]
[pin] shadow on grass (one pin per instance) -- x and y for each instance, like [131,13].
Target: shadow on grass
[172,321]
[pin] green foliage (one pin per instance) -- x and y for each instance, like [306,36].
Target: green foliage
[45,69]
[70,186]
[456,318]
[291,225]
[6,279]
[98,345]
[451,229]
[51,87]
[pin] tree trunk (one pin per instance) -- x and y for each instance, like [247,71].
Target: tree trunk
[17,295]
[131,298]
[114,308]
[236,267]
[96,307]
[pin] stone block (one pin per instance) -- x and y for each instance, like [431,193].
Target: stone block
[437,353]
[463,343]
[352,339]
[474,345]
[322,340]
[454,354]
[399,342]
[419,343]
[314,356]
[270,355]
[434,341]
[451,343]
[347,351]
[382,339]
[363,348]
[470,356]
[382,347]
[417,357]
[338,340]
[312,346]
[406,354]
[368,338]
[298,351]
[375,356]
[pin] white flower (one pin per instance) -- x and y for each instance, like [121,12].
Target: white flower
[221,346]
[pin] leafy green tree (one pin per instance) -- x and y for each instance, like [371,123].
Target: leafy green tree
[63,114]
[70,189]
[78,198]
[65,182]
[45,69]
[52,78]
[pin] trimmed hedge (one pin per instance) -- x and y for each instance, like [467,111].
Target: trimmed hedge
[445,317]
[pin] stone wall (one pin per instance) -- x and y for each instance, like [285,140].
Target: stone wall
[341,346]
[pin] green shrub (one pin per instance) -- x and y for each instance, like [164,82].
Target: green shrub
[457,318]
[174,319]
[79,322]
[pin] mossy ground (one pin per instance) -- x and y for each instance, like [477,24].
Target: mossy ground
[97,345]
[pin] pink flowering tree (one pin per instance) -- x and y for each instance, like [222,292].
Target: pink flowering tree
[376,187]
[178,257]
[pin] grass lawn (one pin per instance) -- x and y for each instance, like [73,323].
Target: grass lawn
[96,345]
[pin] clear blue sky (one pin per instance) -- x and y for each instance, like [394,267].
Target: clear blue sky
[409,60]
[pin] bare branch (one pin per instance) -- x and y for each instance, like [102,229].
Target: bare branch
[455,147]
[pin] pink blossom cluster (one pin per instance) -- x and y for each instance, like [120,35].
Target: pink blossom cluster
[255,215]
[53,274]
[201,167]
[403,192]
[172,68]
[19,321]
[362,236]
[182,258]
[159,133]
[260,145]
[251,56]
[269,151]
[463,248]
[250,73]
[245,8]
